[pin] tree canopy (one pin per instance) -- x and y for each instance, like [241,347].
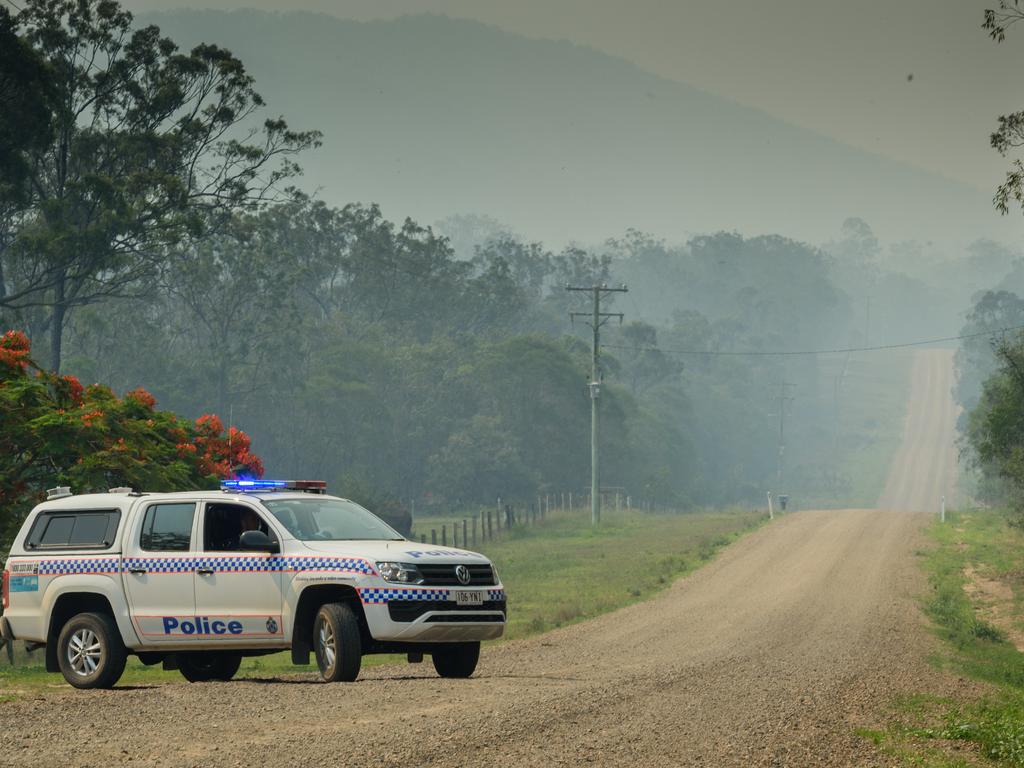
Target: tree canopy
[143,146]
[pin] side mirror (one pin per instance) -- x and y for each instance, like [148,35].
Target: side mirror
[257,541]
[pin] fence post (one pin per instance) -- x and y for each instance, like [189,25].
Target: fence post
[474,530]
[455,534]
[490,527]
[423,538]
[433,537]
[444,535]
[570,501]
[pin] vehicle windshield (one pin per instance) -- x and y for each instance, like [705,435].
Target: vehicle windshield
[319,519]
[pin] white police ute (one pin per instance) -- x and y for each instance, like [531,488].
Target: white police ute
[197,581]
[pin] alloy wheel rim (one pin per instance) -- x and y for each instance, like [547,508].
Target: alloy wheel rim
[327,650]
[85,652]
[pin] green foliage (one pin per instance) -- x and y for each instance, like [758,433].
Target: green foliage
[995,428]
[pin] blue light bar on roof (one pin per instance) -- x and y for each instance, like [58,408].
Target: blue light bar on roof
[250,485]
[246,486]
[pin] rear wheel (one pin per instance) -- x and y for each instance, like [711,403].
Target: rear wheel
[206,666]
[337,643]
[90,651]
[458,661]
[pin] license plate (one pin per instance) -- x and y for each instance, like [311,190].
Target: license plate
[469,598]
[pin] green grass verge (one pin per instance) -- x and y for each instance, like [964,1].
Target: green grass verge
[926,730]
[555,573]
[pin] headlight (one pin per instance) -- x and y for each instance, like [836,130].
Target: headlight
[400,573]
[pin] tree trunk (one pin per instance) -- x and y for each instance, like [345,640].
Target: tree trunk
[57,318]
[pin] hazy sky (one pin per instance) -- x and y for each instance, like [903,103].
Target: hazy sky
[838,67]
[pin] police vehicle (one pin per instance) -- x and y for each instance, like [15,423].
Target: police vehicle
[197,581]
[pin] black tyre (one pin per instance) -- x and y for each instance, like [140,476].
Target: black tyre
[90,651]
[206,666]
[337,643]
[458,661]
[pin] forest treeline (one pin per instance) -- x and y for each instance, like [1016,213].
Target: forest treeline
[152,235]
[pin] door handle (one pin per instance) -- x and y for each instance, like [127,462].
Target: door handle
[204,571]
[138,571]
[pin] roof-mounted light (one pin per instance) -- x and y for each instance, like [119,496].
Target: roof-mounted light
[255,486]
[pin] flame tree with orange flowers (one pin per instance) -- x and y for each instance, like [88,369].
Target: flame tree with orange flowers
[58,432]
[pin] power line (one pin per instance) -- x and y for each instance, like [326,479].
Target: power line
[792,353]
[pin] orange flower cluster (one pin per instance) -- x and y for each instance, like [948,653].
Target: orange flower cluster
[75,389]
[91,416]
[140,395]
[223,455]
[14,349]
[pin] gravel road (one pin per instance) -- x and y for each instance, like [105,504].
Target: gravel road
[772,655]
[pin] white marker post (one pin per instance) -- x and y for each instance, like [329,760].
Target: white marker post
[942,509]
[771,512]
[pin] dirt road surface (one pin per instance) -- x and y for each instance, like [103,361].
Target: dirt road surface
[924,468]
[772,655]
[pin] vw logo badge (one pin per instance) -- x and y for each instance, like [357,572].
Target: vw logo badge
[271,626]
[462,574]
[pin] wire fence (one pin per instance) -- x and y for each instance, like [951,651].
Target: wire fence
[488,524]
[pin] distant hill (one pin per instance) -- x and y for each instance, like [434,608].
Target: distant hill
[432,116]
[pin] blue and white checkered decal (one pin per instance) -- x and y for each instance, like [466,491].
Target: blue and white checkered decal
[375,595]
[187,564]
[161,564]
[100,565]
[385,595]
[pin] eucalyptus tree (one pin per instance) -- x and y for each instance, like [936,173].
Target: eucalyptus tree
[149,145]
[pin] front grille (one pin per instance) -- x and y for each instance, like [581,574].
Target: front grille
[444,575]
[410,610]
[465,618]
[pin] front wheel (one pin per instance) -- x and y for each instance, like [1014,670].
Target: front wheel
[337,643]
[207,666]
[458,661]
[90,651]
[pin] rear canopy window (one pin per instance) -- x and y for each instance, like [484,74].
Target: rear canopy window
[85,529]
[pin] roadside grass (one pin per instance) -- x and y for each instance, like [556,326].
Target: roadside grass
[556,573]
[990,729]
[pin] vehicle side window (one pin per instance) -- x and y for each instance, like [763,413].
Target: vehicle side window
[78,529]
[225,524]
[168,527]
